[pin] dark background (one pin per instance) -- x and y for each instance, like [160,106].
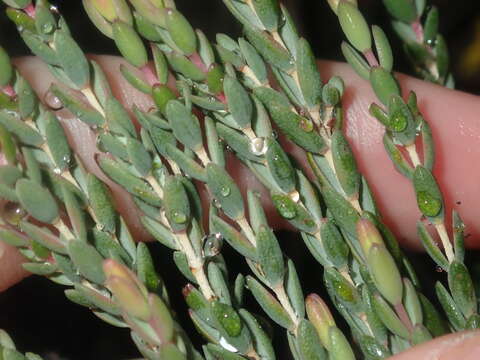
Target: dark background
[35,312]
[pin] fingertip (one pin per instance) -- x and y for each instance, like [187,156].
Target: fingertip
[11,270]
[464,346]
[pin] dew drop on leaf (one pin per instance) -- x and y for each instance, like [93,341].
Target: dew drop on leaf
[428,205]
[258,146]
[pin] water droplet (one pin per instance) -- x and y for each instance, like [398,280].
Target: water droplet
[217,204]
[212,244]
[13,213]
[179,217]
[439,269]
[57,171]
[258,146]
[229,148]
[428,205]
[276,157]
[225,190]
[47,28]
[295,196]
[227,346]
[274,135]
[54,8]
[52,101]
[398,122]
[20,29]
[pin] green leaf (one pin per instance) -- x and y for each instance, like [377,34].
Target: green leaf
[345,165]
[39,48]
[263,344]
[187,164]
[308,74]
[57,142]
[129,44]
[225,191]
[8,146]
[356,61]
[85,113]
[181,31]
[396,156]
[6,69]
[236,240]
[294,126]
[22,131]
[177,204]
[343,212]
[100,201]
[403,10]
[373,349]
[239,102]
[13,238]
[238,142]
[389,318]
[308,342]
[385,273]
[228,318]
[42,269]
[118,118]
[344,291]
[146,269]
[450,307]
[269,304]
[294,212]
[185,125]
[268,11]
[183,65]
[429,196]
[340,348]
[87,259]
[384,84]
[430,27]
[12,354]
[336,248]
[280,166]
[432,318]
[37,200]
[71,59]
[76,214]
[271,50]
[254,60]
[181,261]
[458,228]
[270,256]
[384,50]
[109,247]
[32,165]
[139,157]
[443,59]
[412,302]
[294,290]
[218,282]
[461,286]
[134,80]
[354,26]
[134,185]
[431,246]
[27,100]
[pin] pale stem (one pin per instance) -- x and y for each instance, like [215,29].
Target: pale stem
[371,59]
[174,166]
[202,155]
[92,99]
[412,151]
[155,185]
[447,245]
[63,229]
[285,302]
[247,230]
[247,71]
[328,155]
[249,132]
[196,266]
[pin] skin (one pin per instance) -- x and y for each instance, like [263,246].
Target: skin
[452,116]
